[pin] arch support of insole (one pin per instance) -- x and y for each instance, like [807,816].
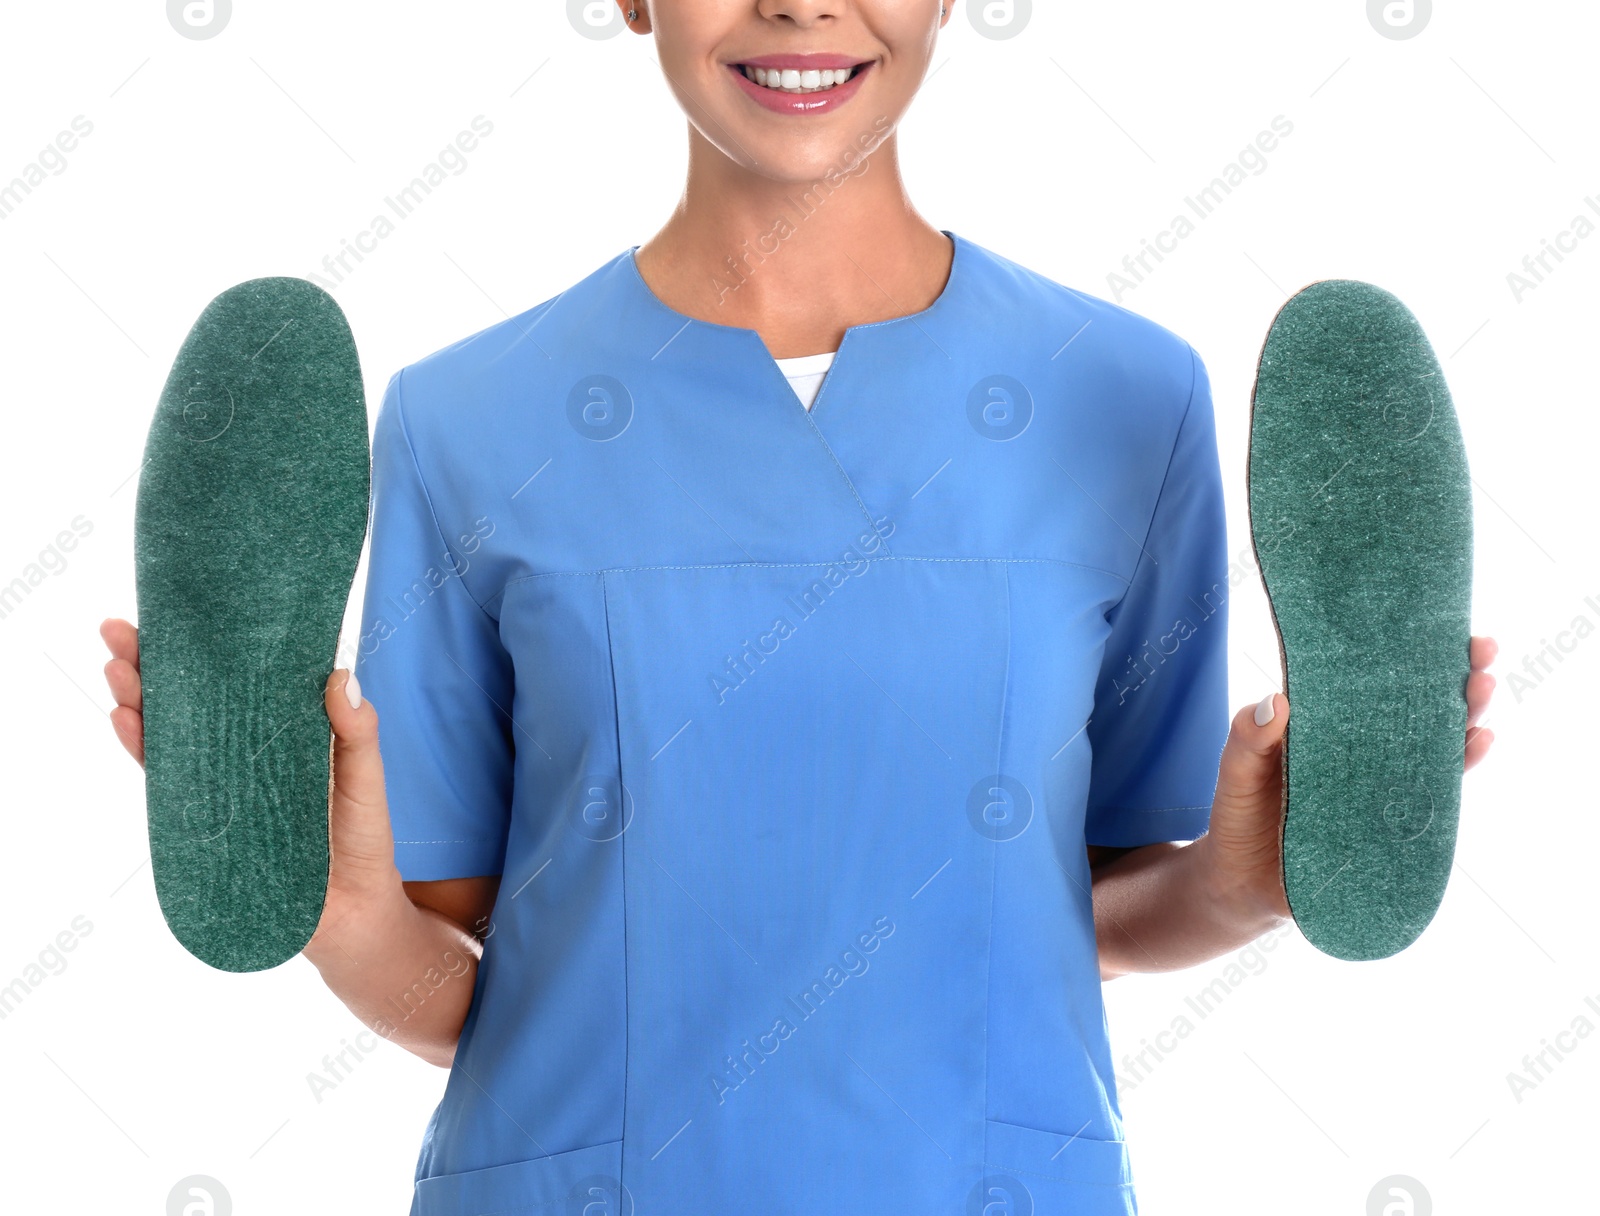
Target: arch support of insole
[1361,517]
[252,510]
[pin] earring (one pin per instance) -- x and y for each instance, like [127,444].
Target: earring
[633,15]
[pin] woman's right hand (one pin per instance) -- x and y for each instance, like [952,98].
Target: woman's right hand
[360,837]
[122,674]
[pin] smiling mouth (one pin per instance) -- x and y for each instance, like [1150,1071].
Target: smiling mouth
[798,81]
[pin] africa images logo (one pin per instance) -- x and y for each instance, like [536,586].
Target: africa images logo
[1000,19]
[595,19]
[199,19]
[199,1195]
[1399,19]
[1399,1195]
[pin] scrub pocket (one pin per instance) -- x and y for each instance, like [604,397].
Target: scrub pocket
[543,1186]
[1057,1172]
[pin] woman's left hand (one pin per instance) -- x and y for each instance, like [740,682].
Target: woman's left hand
[1244,838]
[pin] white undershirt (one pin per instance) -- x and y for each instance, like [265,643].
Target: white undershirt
[805,375]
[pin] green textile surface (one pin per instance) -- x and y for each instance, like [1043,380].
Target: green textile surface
[251,515]
[1361,518]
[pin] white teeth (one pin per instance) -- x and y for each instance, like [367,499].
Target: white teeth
[791,80]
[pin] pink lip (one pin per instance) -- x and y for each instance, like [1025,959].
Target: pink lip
[780,102]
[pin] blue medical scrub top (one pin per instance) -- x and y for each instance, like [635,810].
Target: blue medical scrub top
[787,732]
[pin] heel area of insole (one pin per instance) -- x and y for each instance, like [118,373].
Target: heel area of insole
[236,780]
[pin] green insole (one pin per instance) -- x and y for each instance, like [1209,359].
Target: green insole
[251,514]
[1361,518]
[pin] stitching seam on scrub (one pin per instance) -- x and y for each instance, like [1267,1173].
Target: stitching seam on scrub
[994,872]
[400,415]
[1166,474]
[1120,1187]
[544,310]
[622,840]
[833,561]
[854,493]
[827,447]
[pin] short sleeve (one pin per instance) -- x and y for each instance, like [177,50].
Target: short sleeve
[431,662]
[1161,712]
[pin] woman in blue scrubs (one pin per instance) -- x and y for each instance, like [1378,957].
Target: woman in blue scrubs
[797,649]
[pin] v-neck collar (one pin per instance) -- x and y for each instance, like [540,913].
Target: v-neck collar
[942,303]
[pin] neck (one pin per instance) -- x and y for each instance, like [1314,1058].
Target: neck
[799,262]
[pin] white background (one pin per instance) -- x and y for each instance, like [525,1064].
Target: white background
[1431,166]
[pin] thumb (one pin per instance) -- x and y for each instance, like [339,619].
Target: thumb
[1252,758]
[358,827]
[357,766]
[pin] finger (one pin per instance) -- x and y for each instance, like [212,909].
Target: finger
[130,731]
[1480,687]
[122,677]
[1481,652]
[1251,759]
[357,765]
[122,639]
[1479,740]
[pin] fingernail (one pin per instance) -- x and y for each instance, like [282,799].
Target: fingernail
[352,691]
[1264,711]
